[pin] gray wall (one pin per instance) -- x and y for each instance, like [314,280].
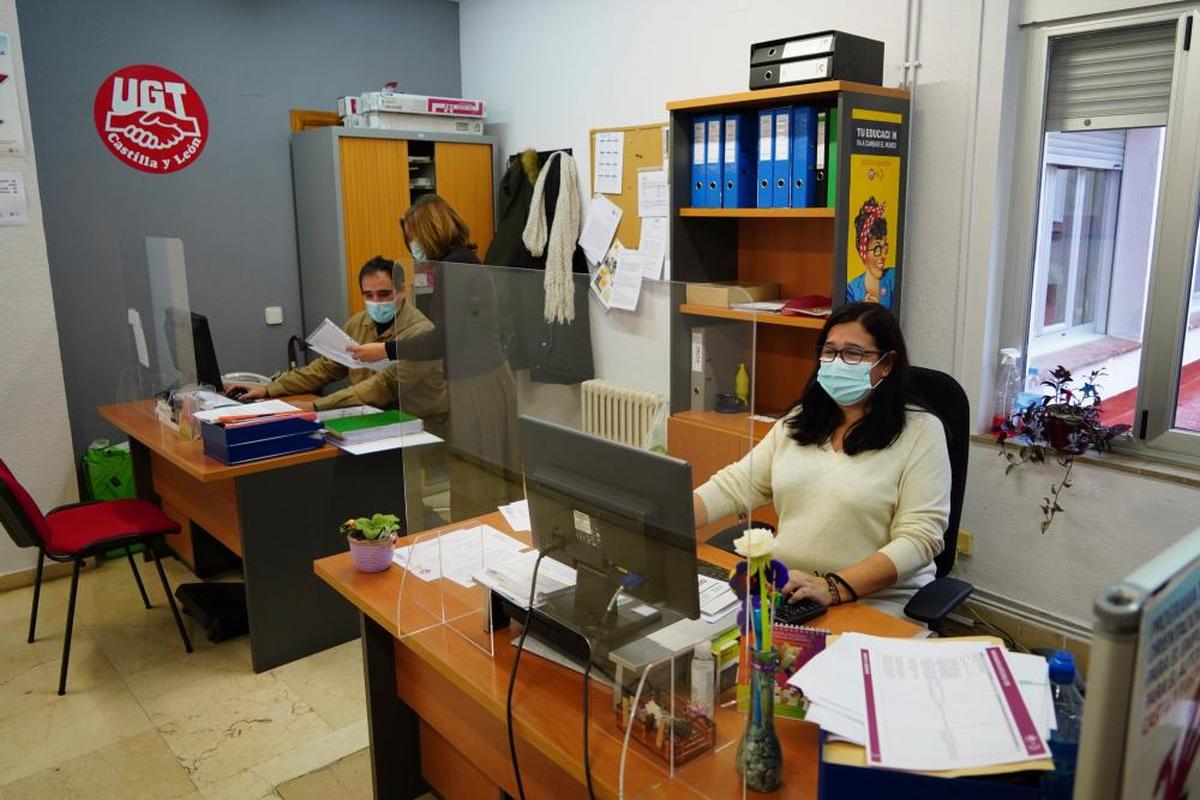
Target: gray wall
[233,208]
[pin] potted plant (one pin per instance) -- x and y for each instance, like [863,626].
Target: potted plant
[372,540]
[1061,425]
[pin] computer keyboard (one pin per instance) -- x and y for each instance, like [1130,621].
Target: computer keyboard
[711,570]
[799,612]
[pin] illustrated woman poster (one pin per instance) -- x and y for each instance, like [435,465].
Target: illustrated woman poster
[874,190]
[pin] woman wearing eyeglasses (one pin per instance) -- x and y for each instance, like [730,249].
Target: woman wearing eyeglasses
[878,283]
[857,472]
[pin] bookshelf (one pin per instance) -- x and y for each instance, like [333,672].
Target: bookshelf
[806,251]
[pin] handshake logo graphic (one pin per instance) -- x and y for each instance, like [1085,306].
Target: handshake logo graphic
[151,118]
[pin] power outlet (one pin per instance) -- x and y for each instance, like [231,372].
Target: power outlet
[966,542]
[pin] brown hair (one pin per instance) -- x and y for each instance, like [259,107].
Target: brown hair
[436,225]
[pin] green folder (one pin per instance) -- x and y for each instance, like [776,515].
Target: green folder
[363,422]
[831,161]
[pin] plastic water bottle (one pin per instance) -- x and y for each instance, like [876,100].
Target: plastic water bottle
[703,679]
[1008,386]
[1033,390]
[1064,740]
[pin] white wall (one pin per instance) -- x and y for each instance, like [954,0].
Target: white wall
[551,71]
[35,439]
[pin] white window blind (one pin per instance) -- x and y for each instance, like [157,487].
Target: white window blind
[1098,149]
[1118,78]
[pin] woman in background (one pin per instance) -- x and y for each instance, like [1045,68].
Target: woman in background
[466,336]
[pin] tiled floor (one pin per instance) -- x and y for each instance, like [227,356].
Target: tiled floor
[141,718]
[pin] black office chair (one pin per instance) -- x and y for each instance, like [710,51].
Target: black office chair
[944,396]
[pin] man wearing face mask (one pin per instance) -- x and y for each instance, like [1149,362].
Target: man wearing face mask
[388,316]
[857,471]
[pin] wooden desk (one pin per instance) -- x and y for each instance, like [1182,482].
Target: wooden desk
[437,709]
[276,515]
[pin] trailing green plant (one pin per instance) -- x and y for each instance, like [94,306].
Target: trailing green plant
[1058,426]
[376,526]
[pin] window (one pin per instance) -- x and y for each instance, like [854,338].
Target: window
[1108,186]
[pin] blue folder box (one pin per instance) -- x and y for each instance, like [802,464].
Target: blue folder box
[840,781]
[240,444]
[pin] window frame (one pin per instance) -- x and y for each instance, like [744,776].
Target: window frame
[1173,245]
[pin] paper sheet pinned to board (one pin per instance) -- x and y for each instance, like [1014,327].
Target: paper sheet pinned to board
[653,198]
[599,227]
[654,246]
[14,206]
[610,160]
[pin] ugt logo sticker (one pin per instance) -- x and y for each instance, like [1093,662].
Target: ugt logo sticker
[151,118]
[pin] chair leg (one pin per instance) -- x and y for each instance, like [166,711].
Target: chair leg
[137,577]
[37,594]
[162,576]
[66,656]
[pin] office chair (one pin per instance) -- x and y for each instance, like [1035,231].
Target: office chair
[943,395]
[77,531]
[946,399]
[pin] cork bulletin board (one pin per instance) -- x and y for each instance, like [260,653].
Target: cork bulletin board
[644,145]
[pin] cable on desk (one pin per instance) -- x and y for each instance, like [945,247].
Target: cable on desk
[587,762]
[512,676]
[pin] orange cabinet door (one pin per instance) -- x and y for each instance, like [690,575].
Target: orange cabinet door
[375,195]
[464,179]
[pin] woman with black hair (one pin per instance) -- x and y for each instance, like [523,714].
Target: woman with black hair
[857,471]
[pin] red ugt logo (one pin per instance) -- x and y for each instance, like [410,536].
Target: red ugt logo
[150,118]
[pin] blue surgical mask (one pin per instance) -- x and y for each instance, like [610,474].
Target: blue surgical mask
[382,313]
[418,252]
[845,383]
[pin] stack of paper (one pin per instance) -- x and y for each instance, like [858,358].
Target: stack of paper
[458,555]
[716,598]
[930,704]
[332,342]
[513,576]
[516,514]
[362,428]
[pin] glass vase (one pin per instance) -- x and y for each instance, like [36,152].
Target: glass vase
[759,757]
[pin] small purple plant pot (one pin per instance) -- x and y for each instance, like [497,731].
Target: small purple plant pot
[372,555]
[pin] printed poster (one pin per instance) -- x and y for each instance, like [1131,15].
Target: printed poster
[874,190]
[1163,742]
[12,136]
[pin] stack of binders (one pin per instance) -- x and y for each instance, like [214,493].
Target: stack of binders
[825,56]
[776,159]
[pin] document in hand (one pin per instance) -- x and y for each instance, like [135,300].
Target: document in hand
[331,341]
[930,704]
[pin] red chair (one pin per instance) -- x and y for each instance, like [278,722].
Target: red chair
[80,530]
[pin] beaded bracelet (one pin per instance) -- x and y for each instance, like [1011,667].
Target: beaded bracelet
[833,590]
[844,582]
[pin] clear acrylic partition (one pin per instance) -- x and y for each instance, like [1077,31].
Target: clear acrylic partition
[166,375]
[564,440]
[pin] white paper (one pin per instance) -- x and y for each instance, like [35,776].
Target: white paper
[139,338]
[653,197]
[457,555]
[12,134]
[610,159]
[599,226]
[390,443]
[838,704]
[263,409]
[14,207]
[342,413]
[627,280]
[516,514]
[331,341]
[654,246]
[512,577]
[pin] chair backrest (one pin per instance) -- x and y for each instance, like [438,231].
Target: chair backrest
[19,514]
[946,399]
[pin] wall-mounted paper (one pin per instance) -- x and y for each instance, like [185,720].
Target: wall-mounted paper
[14,207]
[599,226]
[653,199]
[12,134]
[654,245]
[610,160]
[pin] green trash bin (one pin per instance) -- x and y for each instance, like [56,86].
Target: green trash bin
[108,475]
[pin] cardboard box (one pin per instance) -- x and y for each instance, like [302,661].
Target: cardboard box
[421,104]
[724,295]
[421,123]
[347,106]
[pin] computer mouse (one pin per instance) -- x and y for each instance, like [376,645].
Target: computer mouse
[236,393]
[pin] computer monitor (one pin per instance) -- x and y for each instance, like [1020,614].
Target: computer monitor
[622,517]
[204,369]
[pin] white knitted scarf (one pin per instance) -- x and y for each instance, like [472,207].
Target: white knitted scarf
[562,237]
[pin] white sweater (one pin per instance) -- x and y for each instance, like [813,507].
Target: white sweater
[836,510]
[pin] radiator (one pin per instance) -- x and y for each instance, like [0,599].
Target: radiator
[619,413]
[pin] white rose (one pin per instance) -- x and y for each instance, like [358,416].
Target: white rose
[754,543]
